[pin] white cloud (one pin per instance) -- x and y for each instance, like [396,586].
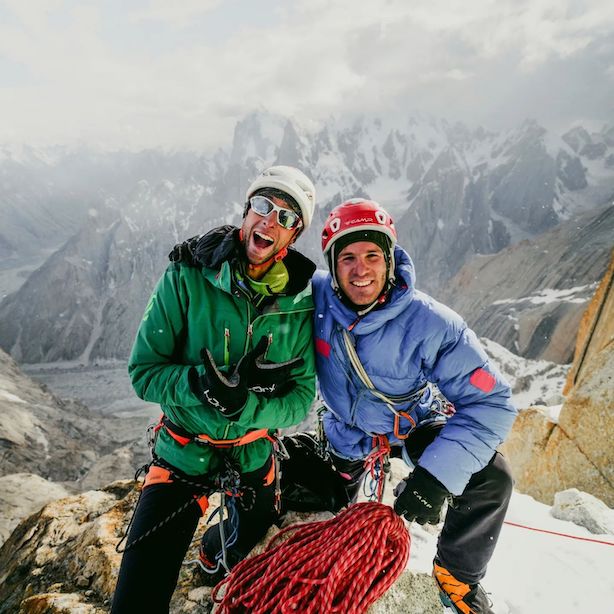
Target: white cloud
[181,73]
[178,12]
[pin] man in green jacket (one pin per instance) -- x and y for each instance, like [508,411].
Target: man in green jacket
[225,347]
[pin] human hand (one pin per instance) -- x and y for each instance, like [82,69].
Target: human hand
[227,394]
[184,252]
[420,497]
[265,376]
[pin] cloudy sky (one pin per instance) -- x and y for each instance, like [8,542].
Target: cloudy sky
[142,73]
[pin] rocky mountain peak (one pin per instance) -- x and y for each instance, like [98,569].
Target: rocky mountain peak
[454,192]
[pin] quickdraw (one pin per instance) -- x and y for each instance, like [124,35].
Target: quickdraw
[230,491]
[377,465]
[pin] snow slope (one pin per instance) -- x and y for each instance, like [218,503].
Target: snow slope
[532,572]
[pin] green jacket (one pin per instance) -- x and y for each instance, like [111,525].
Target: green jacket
[193,307]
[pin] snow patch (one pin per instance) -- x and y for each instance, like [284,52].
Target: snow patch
[7,396]
[551,295]
[533,382]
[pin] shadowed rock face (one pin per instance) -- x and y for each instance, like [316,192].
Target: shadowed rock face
[576,452]
[63,559]
[530,297]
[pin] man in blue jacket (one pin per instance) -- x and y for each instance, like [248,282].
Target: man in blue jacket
[380,343]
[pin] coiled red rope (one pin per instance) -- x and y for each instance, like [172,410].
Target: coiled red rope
[334,566]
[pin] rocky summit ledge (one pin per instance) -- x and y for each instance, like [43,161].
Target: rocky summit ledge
[63,560]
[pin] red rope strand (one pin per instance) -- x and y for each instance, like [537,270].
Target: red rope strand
[337,566]
[584,539]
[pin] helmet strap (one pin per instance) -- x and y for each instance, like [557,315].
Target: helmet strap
[281,254]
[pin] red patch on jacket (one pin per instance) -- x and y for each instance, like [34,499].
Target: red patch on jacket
[322,348]
[483,380]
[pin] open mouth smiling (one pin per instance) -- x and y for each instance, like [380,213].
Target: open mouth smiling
[361,284]
[262,240]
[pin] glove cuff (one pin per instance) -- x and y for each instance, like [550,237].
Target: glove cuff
[427,481]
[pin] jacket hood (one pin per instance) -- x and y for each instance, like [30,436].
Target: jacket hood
[222,244]
[400,297]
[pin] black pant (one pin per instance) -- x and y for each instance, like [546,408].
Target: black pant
[472,524]
[474,520]
[150,569]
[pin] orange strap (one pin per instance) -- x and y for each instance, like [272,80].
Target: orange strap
[237,441]
[270,476]
[157,475]
[183,437]
[203,503]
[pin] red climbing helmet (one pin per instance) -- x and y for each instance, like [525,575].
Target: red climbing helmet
[354,215]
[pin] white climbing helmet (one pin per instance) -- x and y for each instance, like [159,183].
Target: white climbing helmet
[291,181]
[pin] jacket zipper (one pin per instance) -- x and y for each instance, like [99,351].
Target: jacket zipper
[226,346]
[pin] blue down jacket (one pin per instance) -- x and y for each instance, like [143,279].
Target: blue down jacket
[410,341]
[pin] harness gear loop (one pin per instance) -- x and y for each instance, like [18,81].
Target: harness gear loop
[151,434]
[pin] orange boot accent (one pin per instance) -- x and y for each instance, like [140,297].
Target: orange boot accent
[452,588]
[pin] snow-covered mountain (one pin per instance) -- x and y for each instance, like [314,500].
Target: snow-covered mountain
[455,193]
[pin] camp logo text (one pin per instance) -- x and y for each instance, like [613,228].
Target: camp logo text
[360,220]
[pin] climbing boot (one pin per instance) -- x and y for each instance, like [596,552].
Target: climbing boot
[460,597]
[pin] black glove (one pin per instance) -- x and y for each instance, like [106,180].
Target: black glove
[420,497]
[264,376]
[227,394]
[184,252]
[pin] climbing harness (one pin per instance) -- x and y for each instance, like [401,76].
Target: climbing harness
[337,566]
[409,398]
[227,483]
